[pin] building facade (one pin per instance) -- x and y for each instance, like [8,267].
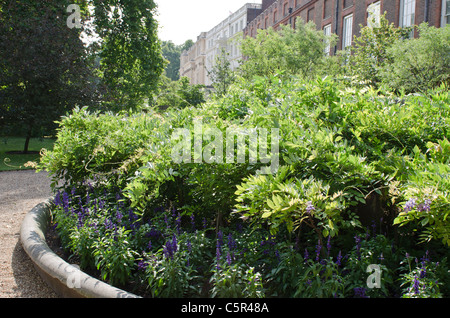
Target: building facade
[200,58]
[341,17]
[192,61]
[344,17]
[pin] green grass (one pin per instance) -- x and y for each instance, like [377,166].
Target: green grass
[10,162]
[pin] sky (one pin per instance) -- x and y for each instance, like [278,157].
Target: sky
[181,20]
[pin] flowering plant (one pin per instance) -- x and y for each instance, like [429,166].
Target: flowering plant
[421,281]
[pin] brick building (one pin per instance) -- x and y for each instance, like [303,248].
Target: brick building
[344,17]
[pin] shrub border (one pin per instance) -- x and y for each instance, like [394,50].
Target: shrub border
[57,273]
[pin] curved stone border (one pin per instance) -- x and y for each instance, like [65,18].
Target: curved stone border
[65,279]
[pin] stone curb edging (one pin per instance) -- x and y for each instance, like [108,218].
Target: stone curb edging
[65,279]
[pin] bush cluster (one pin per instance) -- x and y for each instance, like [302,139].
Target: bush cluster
[350,160]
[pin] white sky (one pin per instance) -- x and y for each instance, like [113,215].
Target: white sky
[181,20]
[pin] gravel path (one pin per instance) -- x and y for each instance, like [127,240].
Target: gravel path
[20,191]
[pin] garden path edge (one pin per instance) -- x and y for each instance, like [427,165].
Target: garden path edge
[65,279]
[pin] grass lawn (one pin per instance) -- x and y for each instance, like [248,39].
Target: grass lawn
[17,161]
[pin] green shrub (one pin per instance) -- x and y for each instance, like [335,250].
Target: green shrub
[348,159]
[419,64]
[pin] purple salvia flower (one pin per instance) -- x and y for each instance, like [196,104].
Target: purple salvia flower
[174,213]
[339,259]
[277,255]
[318,249]
[101,204]
[220,238]
[306,255]
[57,200]
[329,245]
[218,257]
[416,285]
[65,202]
[142,266]
[119,217]
[174,243]
[109,224]
[231,242]
[166,220]
[168,250]
[423,273]
[228,258]
[360,292]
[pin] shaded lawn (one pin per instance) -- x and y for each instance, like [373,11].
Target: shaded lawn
[15,144]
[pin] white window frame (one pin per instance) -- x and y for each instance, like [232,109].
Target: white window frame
[327,32]
[374,13]
[347,31]
[407,13]
[445,13]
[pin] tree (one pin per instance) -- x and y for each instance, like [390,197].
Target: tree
[172,53]
[370,50]
[221,75]
[131,60]
[179,93]
[43,65]
[419,64]
[298,51]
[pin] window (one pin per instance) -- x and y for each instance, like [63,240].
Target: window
[348,3]
[407,12]
[310,16]
[347,31]
[373,14]
[445,12]
[327,32]
[327,9]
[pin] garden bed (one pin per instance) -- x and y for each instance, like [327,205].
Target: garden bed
[358,200]
[65,279]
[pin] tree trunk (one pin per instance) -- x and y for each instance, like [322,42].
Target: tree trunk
[28,137]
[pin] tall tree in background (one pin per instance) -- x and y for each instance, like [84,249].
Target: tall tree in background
[131,61]
[43,65]
[172,54]
[298,51]
[221,74]
[46,68]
